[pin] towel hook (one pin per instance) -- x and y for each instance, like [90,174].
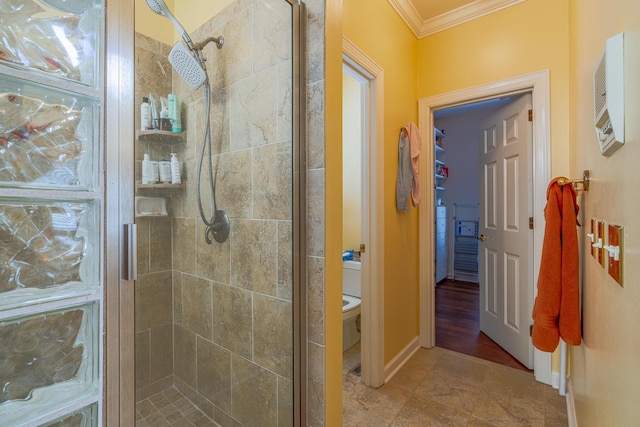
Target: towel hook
[584,181]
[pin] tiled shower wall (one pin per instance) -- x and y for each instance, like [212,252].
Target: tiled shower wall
[230,304]
[154,287]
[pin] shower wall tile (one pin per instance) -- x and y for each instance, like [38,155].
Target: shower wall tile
[285,101]
[253,107]
[142,243]
[178,308]
[142,358]
[255,394]
[232,321]
[285,260]
[271,34]
[285,403]
[214,373]
[161,352]
[315,300]
[184,245]
[220,119]
[159,250]
[184,355]
[273,349]
[315,212]
[315,385]
[225,420]
[315,125]
[253,256]
[213,261]
[234,189]
[196,295]
[315,40]
[272,181]
[234,61]
[153,303]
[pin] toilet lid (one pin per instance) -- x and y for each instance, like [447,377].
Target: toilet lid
[351,303]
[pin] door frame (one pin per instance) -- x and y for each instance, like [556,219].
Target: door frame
[538,84]
[119,376]
[372,303]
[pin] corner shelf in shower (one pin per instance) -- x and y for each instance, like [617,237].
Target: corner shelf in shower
[161,136]
[160,186]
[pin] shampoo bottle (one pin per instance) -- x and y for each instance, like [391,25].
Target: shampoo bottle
[145,114]
[146,170]
[174,113]
[175,169]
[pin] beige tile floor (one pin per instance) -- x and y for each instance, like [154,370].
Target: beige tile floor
[170,408]
[438,387]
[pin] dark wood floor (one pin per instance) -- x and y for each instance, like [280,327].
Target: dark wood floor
[458,324]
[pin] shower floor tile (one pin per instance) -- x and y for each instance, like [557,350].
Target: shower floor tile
[170,408]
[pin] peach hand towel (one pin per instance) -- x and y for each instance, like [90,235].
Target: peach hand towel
[415,142]
[556,312]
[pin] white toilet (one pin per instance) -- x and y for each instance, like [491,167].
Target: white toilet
[351,293]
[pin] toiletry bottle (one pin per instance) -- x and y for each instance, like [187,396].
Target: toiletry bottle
[165,171]
[171,106]
[174,113]
[175,169]
[146,169]
[145,114]
[155,172]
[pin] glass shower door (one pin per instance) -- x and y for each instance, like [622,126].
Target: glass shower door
[215,322]
[51,206]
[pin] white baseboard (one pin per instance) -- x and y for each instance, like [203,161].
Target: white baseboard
[555,379]
[401,358]
[572,420]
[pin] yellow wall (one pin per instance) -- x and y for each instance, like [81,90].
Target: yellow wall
[191,15]
[351,162]
[153,25]
[333,212]
[605,372]
[528,37]
[376,29]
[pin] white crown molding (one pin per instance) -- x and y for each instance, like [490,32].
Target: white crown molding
[458,16]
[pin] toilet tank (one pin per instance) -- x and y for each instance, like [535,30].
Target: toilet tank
[351,282]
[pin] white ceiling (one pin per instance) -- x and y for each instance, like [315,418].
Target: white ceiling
[426,17]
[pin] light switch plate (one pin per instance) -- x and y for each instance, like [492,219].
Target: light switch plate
[600,237]
[594,234]
[615,233]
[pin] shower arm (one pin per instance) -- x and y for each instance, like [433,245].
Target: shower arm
[219,41]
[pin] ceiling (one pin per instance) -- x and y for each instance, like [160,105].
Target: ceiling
[426,17]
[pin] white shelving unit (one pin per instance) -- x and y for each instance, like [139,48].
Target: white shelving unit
[440,210]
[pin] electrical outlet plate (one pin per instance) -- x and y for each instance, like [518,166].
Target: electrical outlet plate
[600,238]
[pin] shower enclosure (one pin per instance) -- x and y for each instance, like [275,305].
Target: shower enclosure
[215,324]
[214,319]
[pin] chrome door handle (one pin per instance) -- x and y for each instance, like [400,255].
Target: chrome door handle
[480,237]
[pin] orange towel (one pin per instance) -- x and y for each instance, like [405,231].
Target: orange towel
[556,312]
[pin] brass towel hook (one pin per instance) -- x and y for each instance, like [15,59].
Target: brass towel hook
[584,181]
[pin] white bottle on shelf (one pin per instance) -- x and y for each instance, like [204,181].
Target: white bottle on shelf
[145,114]
[175,169]
[146,169]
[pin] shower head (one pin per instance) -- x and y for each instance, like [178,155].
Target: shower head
[184,62]
[159,7]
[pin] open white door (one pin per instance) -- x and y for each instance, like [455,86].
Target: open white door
[506,241]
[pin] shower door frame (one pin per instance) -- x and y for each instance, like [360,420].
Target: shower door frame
[119,391]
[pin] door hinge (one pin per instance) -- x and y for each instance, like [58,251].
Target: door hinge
[530,223]
[530,115]
[362,248]
[530,330]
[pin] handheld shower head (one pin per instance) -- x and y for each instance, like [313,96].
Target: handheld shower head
[159,7]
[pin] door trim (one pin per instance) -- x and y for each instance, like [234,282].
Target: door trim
[538,84]
[372,305]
